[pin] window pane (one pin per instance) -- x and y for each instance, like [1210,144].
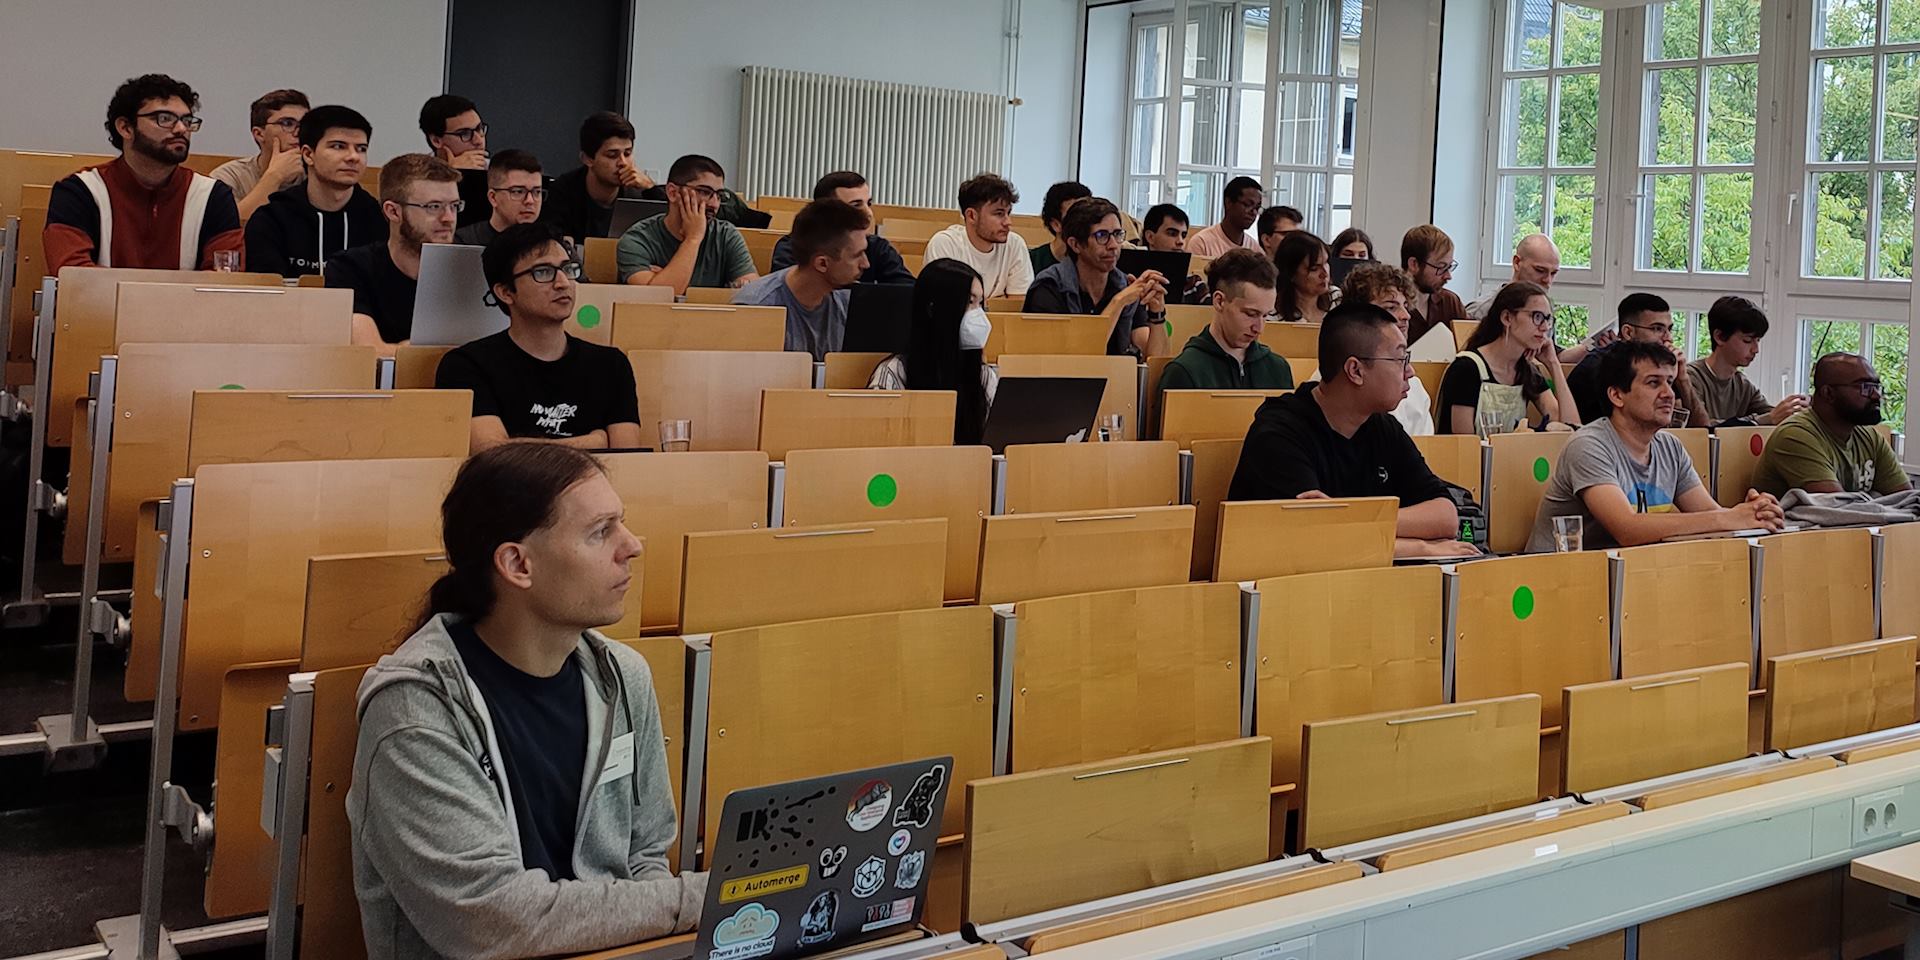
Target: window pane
[1672,105]
[1570,323]
[1348,107]
[1673,30]
[1830,336]
[1668,225]
[1702,335]
[1246,147]
[1735,28]
[1726,222]
[1149,138]
[1579,119]
[1204,141]
[1526,140]
[1150,69]
[1209,41]
[1896,225]
[1306,192]
[1732,92]
[1521,200]
[1142,194]
[1579,36]
[1840,225]
[1304,32]
[1573,220]
[1253,46]
[1196,193]
[1350,13]
[1890,362]
[1529,35]
[1300,134]
[1342,216]
[1844,23]
[1843,108]
[1902,93]
[1903,21]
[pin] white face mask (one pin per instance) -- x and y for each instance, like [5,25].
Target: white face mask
[974,327]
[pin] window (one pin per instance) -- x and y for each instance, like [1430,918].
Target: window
[1147,115]
[1863,116]
[1221,97]
[1317,95]
[1549,157]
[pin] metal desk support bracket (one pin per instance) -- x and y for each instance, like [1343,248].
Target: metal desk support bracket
[29,608]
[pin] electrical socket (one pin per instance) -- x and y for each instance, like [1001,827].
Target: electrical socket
[1301,949]
[1878,815]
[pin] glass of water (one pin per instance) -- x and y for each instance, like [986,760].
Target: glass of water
[1113,427]
[676,436]
[1489,422]
[226,261]
[1566,534]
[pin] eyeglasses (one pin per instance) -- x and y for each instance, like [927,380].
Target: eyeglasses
[546,272]
[1539,319]
[165,119]
[1405,362]
[521,193]
[438,207]
[1661,330]
[702,191]
[1865,387]
[1107,236]
[289,124]
[1448,267]
[466,134]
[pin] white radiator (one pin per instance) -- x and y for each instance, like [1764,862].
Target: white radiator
[914,144]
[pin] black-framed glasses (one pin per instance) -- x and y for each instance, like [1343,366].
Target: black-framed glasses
[1405,362]
[466,134]
[1539,319]
[701,190]
[1662,331]
[438,207]
[289,124]
[1448,267]
[165,119]
[522,193]
[1108,236]
[546,272]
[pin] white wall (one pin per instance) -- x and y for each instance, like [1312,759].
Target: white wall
[688,55]
[1398,92]
[1460,156]
[1103,125]
[63,58]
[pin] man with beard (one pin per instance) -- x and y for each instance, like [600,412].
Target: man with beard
[143,209]
[420,197]
[1426,254]
[1832,447]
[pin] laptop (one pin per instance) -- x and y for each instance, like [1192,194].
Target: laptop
[1172,264]
[820,865]
[879,318]
[1042,410]
[627,212]
[1339,267]
[450,304]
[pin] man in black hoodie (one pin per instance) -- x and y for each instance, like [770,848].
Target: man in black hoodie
[303,225]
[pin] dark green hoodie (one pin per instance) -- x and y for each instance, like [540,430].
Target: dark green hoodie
[1204,365]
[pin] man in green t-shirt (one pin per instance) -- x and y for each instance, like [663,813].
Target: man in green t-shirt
[688,246]
[1832,447]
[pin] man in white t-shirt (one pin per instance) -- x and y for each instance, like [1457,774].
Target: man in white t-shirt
[1240,207]
[981,240]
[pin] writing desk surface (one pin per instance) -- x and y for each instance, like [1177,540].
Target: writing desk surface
[1897,870]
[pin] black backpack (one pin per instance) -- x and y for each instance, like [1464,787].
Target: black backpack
[1473,518]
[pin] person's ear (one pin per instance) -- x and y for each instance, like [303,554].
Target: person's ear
[511,562]
[392,210]
[306,153]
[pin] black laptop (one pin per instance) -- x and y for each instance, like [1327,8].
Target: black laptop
[879,318]
[1043,410]
[1172,264]
[1339,267]
[626,213]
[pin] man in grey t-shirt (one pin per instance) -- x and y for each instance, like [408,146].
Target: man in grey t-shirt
[1629,482]
[830,252]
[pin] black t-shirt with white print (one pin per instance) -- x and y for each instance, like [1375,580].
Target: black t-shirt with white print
[587,389]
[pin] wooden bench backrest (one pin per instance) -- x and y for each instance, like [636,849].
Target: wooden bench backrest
[593,305]
[669,495]
[1840,691]
[185,313]
[1740,449]
[414,367]
[718,390]
[1685,605]
[1048,334]
[1699,444]
[1386,773]
[1184,320]
[694,326]
[898,483]
[910,685]
[600,260]
[1122,672]
[29,270]
[750,578]
[240,869]
[760,244]
[255,426]
[1522,465]
[1341,644]
[1047,477]
[819,419]
[1214,462]
[1455,458]
[1052,554]
[1187,416]
[1899,604]
[1816,590]
[851,371]
[1292,339]
[1122,374]
[1049,838]
[1625,731]
[1278,538]
[1532,624]
[361,606]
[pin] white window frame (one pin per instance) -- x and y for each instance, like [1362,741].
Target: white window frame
[1168,101]
[1335,105]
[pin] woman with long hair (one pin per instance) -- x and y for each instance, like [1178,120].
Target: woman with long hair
[1509,367]
[1353,244]
[1304,294]
[947,332]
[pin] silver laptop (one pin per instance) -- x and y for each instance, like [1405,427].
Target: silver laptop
[450,304]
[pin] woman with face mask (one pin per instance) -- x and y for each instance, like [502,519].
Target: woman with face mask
[949,330]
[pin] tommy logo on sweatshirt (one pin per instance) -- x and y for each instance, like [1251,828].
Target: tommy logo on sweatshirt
[553,417]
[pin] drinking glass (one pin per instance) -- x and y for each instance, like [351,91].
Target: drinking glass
[1113,427]
[676,436]
[226,261]
[1566,534]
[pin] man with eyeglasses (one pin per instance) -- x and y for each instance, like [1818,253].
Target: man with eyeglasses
[1832,447]
[306,223]
[1536,260]
[143,209]
[1240,208]
[1089,280]
[689,245]
[516,191]
[1426,254]
[458,136]
[275,120]
[1228,354]
[534,380]
[830,252]
[1646,318]
[420,197]
[1338,437]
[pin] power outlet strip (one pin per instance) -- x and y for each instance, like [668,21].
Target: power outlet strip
[1879,815]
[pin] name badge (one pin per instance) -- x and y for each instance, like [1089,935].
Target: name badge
[620,760]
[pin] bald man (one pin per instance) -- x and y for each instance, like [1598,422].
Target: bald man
[1537,260]
[1832,447]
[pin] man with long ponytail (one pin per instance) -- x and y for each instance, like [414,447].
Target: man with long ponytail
[510,794]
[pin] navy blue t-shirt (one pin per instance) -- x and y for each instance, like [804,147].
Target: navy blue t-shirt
[541,726]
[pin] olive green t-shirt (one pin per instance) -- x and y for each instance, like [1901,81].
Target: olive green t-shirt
[1801,451]
[649,245]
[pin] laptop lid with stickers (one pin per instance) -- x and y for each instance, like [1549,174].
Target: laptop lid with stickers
[818,865]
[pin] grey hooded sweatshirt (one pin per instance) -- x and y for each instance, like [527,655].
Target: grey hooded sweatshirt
[436,852]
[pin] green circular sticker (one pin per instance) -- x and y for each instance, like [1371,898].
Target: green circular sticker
[1522,603]
[1169,328]
[881,490]
[232,386]
[589,317]
[1540,469]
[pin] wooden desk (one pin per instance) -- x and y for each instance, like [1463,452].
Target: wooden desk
[1896,870]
